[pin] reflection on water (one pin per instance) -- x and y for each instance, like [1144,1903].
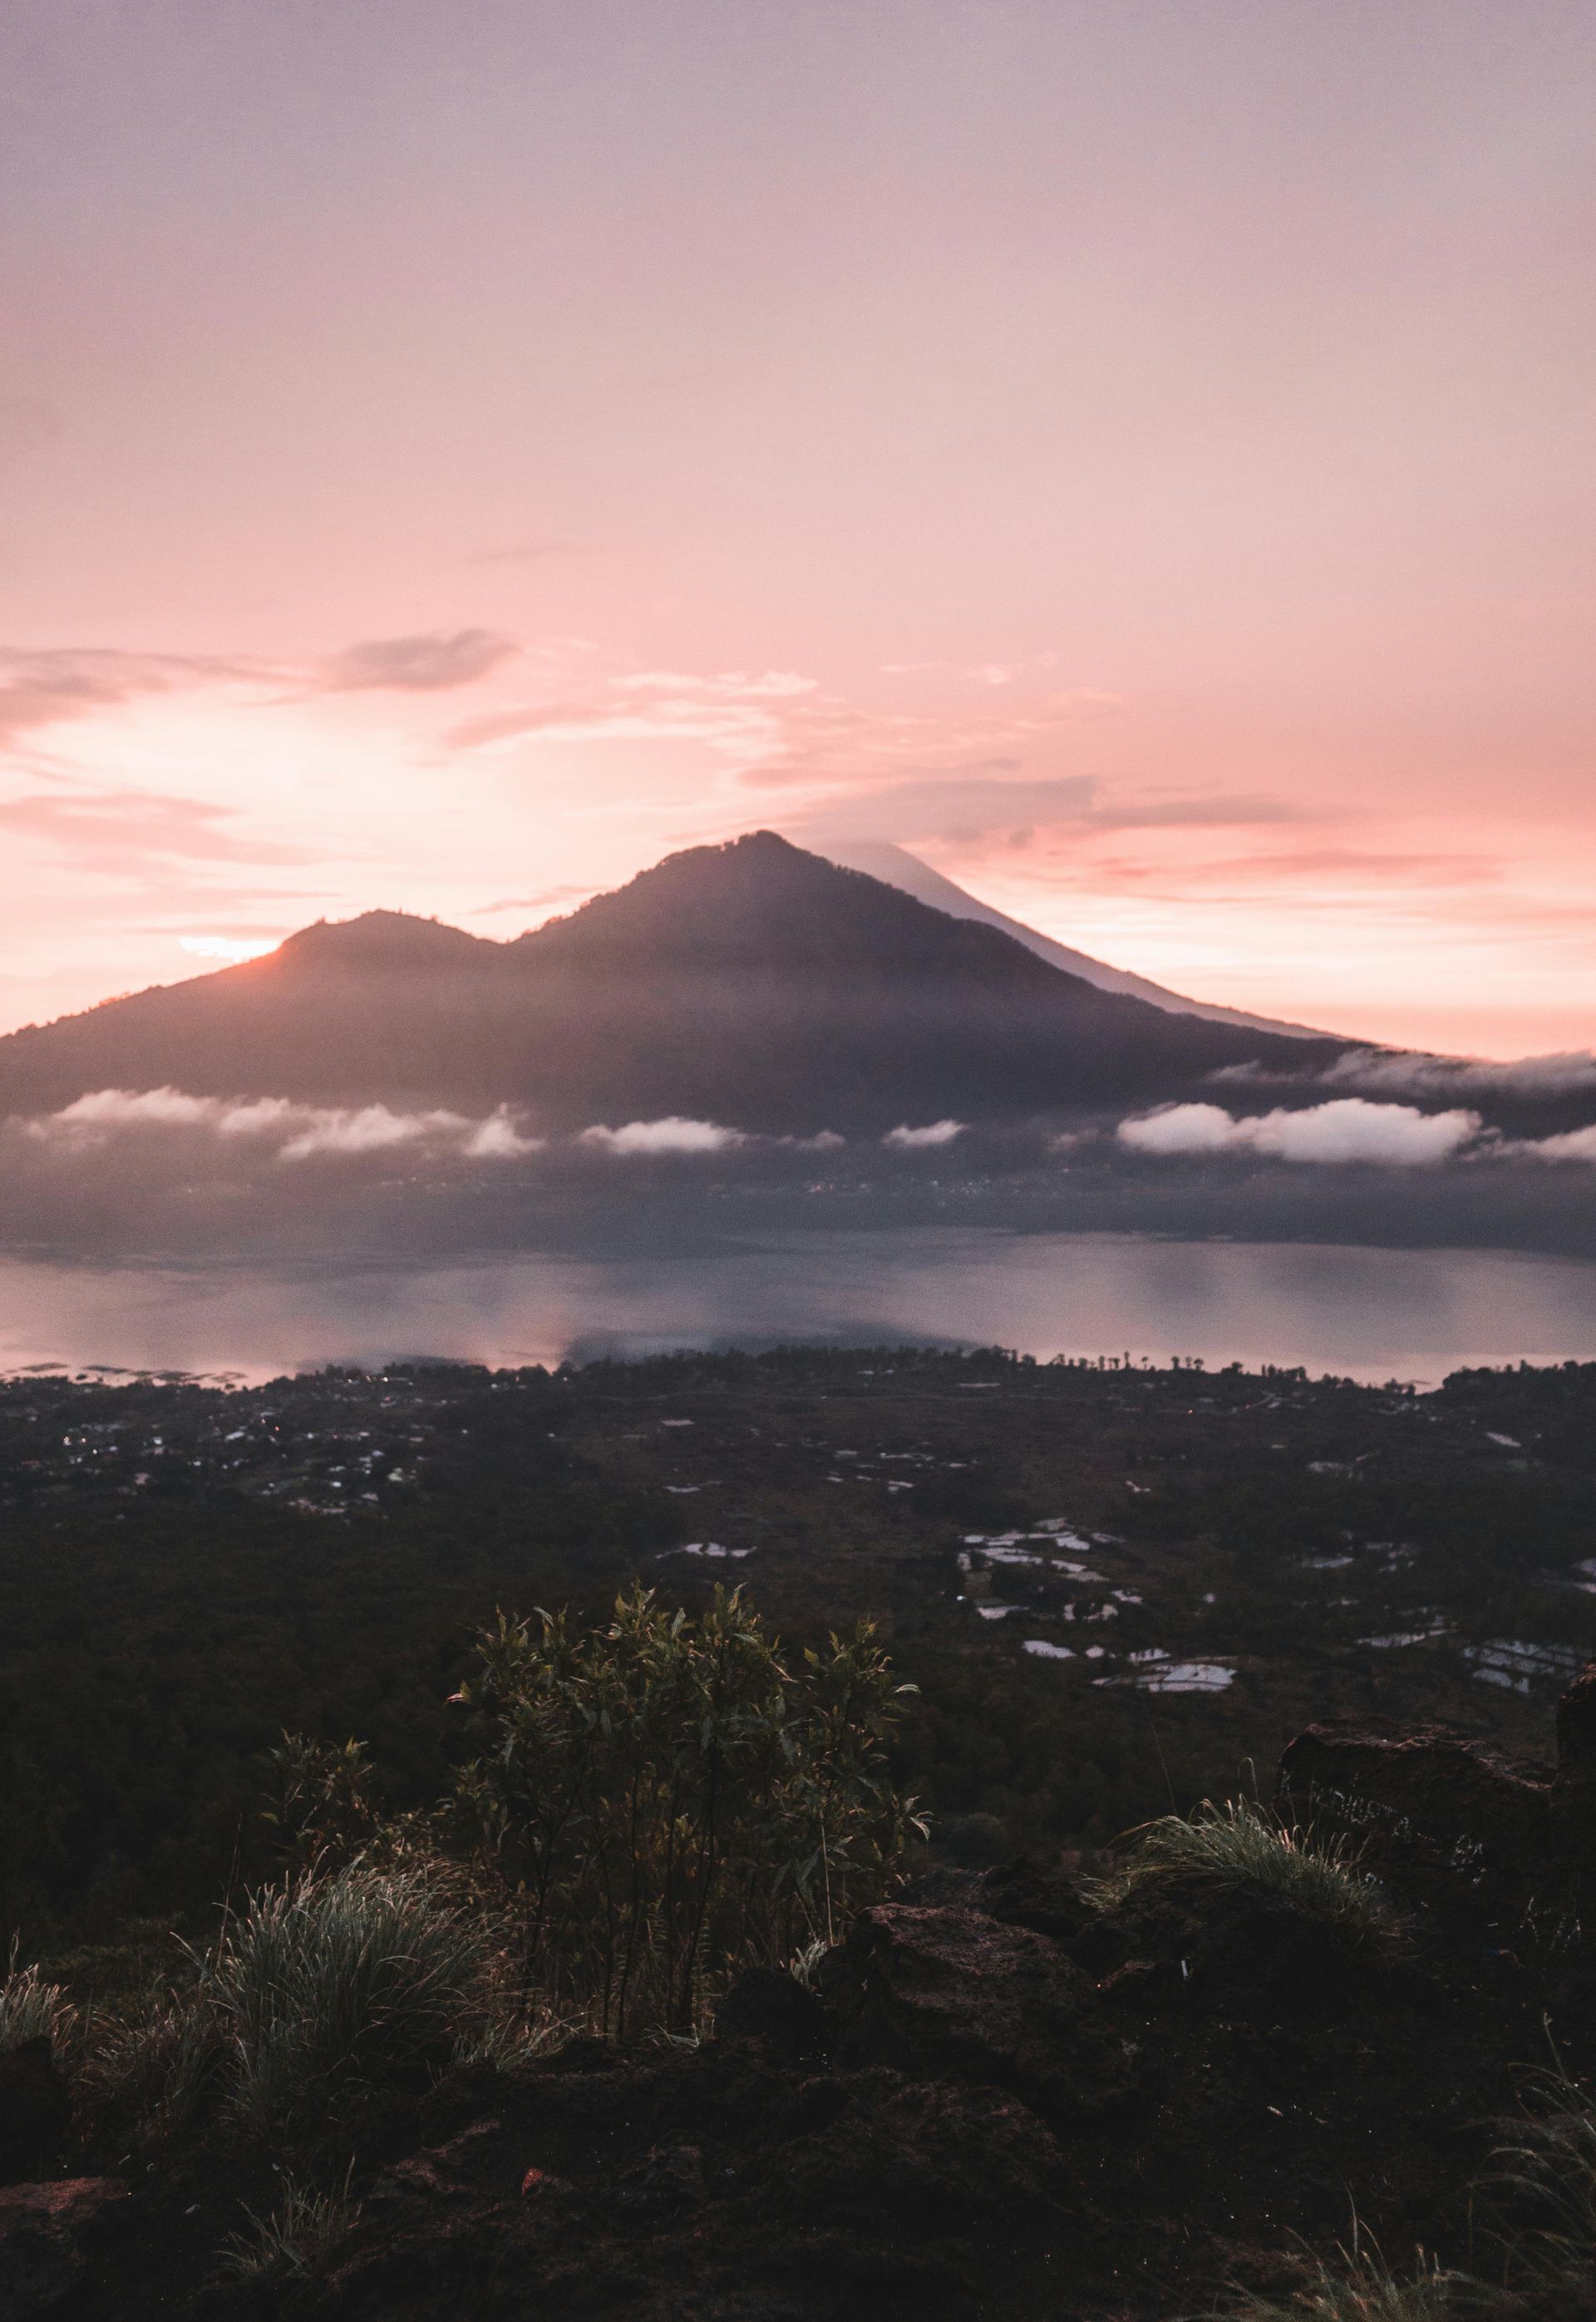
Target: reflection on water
[1368,1313]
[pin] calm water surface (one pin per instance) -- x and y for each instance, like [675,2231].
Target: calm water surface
[1366,1313]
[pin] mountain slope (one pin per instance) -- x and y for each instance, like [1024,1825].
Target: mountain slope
[752,983]
[897,867]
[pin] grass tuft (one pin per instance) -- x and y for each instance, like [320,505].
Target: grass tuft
[33,2009]
[1545,2173]
[1240,1843]
[294,2239]
[337,1983]
[1359,2286]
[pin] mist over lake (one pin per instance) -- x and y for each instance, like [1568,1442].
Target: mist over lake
[1359,1312]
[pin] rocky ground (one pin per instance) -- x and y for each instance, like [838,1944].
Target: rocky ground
[1003,2096]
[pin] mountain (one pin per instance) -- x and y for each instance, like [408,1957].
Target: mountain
[752,983]
[897,867]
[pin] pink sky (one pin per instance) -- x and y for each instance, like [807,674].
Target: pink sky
[1140,457]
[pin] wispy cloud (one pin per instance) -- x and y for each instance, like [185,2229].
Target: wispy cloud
[57,686]
[109,830]
[1571,1074]
[432,662]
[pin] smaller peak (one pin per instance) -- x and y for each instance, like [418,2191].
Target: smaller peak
[381,939]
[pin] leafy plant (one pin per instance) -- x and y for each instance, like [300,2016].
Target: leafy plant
[318,1800]
[1241,1844]
[667,1797]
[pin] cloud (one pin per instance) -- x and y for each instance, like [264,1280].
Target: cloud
[1573,1145]
[300,1133]
[429,663]
[729,685]
[1572,1073]
[671,1135]
[1345,1129]
[737,712]
[961,809]
[53,687]
[232,949]
[107,830]
[905,1139]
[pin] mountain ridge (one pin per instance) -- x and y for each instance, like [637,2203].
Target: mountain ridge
[754,983]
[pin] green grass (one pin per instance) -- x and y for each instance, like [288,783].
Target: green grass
[1240,1843]
[1360,2287]
[294,2239]
[333,1986]
[33,2009]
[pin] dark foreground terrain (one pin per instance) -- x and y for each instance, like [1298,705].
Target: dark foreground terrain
[1004,2094]
[1118,1590]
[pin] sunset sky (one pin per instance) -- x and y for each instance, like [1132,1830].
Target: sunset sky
[1139,455]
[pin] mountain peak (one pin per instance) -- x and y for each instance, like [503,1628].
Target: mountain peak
[760,905]
[381,941]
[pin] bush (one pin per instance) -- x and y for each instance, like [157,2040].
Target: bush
[667,1799]
[1240,1843]
[33,2009]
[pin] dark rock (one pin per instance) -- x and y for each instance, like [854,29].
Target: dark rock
[1574,1792]
[35,2117]
[1467,1800]
[43,2231]
[957,1995]
[1257,1958]
[767,2004]
[1026,1894]
[924,2154]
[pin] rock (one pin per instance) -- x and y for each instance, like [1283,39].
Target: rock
[923,2155]
[767,2004]
[1048,1900]
[1468,1801]
[43,2230]
[1574,1792]
[35,2117]
[1258,1959]
[957,1995]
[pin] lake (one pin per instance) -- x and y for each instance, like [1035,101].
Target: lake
[1364,1313]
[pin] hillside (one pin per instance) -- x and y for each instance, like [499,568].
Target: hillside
[753,983]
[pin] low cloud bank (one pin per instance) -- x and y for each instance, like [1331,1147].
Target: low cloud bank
[1346,1130]
[905,1139]
[670,1134]
[1572,1073]
[300,1133]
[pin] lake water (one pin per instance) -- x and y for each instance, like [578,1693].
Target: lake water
[1364,1313]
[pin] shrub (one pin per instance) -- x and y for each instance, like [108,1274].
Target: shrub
[667,1798]
[33,2009]
[1240,1843]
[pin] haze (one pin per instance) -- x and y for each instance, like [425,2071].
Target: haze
[1138,457]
